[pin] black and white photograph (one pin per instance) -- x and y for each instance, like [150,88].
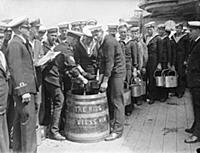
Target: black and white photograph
[99,76]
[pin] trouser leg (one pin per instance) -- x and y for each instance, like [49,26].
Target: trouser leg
[24,133]
[4,138]
[118,102]
[58,100]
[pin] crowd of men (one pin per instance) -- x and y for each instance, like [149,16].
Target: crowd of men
[33,94]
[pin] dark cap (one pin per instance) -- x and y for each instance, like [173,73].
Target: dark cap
[112,26]
[63,25]
[179,25]
[52,30]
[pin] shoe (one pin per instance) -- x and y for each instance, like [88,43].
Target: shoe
[163,100]
[192,139]
[151,101]
[139,103]
[189,130]
[198,150]
[128,113]
[113,136]
[180,95]
[56,136]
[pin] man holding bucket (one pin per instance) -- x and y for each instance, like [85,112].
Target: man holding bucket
[114,70]
[154,45]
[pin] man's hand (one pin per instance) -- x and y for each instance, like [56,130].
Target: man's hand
[103,86]
[26,98]
[90,76]
[134,72]
[168,66]
[173,67]
[84,80]
[159,67]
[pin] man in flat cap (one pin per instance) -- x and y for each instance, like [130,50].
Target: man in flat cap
[63,29]
[129,56]
[154,45]
[166,59]
[114,71]
[36,44]
[181,46]
[37,54]
[20,63]
[48,45]
[50,42]
[112,30]
[42,31]
[76,26]
[193,80]
[92,22]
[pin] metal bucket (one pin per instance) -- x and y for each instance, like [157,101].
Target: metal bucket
[171,79]
[87,118]
[127,95]
[136,88]
[143,87]
[158,75]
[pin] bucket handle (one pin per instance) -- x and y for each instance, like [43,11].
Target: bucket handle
[154,74]
[175,73]
[127,85]
[164,72]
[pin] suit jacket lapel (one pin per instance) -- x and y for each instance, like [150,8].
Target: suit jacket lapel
[194,43]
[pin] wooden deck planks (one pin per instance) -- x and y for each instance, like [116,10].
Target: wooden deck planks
[157,128]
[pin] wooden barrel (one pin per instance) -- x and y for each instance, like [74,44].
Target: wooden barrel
[87,117]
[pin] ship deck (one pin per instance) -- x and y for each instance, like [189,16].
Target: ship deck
[156,128]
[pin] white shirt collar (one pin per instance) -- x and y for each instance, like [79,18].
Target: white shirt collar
[3,60]
[197,38]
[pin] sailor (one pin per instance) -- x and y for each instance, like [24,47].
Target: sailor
[63,29]
[193,77]
[20,63]
[154,45]
[182,44]
[114,70]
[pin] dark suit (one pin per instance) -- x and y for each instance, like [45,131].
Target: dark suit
[4,138]
[182,51]
[154,57]
[193,80]
[114,67]
[23,76]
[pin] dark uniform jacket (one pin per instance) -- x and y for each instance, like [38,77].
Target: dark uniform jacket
[61,65]
[173,52]
[166,50]
[87,62]
[193,68]
[128,49]
[3,89]
[182,46]
[20,63]
[155,48]
[47,46]
[113,58]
